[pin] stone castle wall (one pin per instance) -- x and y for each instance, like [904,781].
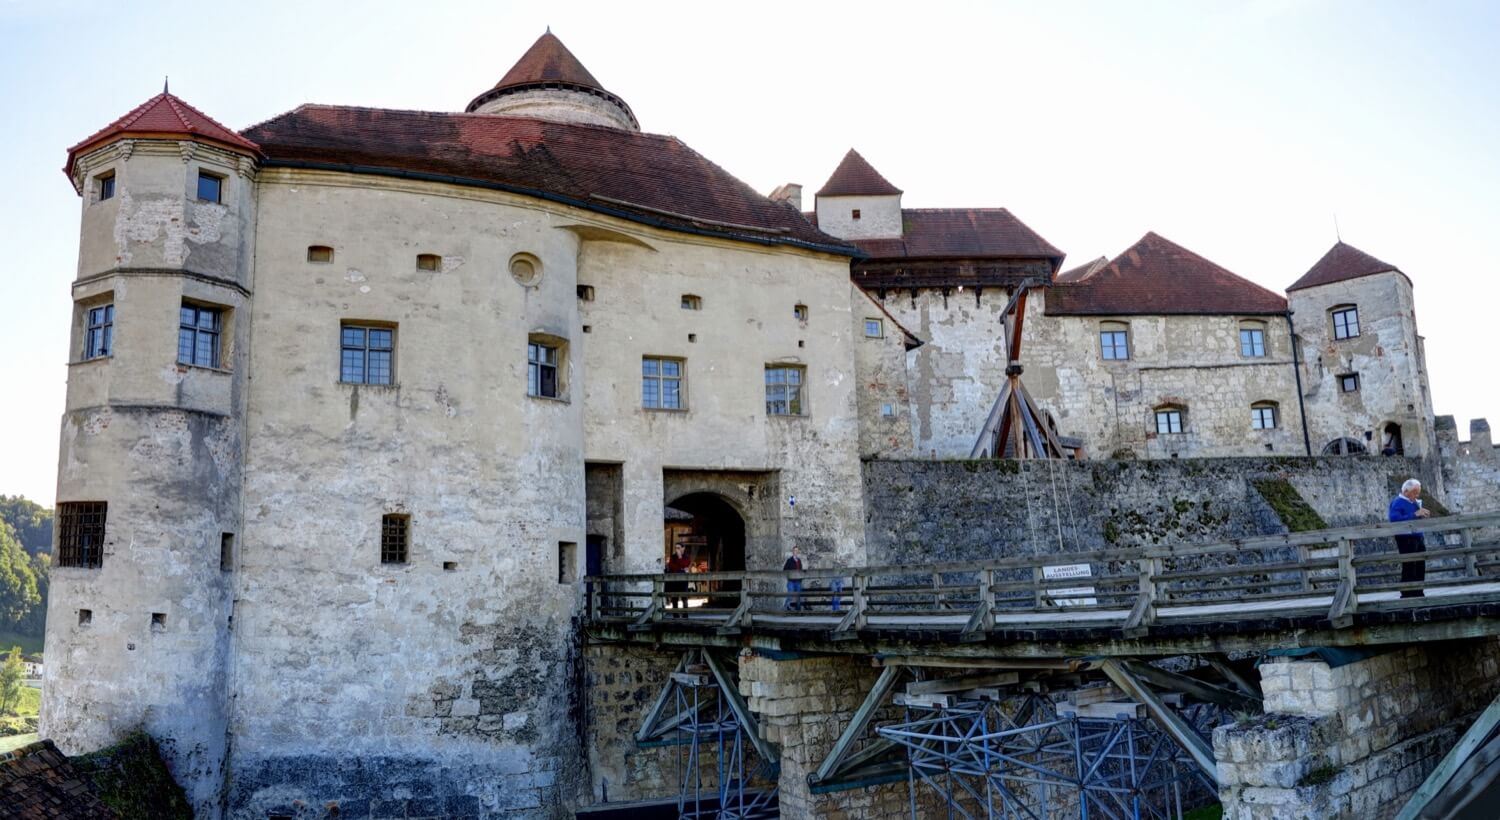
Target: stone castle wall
[1471,469]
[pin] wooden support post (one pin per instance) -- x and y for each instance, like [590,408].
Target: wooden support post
[1227,698]
[1039,594]
[849,627]
[889,676]
[1304,555]
[740,617]
[1143,614]
[1346,598]
[648,726]
[729,689]
[1221,664]
[983,619]
[1172,723]
[1471,568]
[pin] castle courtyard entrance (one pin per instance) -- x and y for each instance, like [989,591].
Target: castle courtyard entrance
[711,532]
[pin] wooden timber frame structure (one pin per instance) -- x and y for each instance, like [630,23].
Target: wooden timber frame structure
[1015,427]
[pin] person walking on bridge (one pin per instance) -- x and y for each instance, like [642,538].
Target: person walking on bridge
[1407,506]
[793,585]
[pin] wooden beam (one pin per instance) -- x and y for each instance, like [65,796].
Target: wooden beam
[648,726]
[939,662]
[857,724]
[730,691]
[1172,723]
[1451,762]
[1221,664]
[1193,687]
[930,687]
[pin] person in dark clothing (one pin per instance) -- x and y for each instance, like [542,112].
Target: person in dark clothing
[1408,507]
[678,563]
[793,585]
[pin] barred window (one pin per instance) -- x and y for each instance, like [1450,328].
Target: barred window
[366,355]
[661,384]
[541,370]
[395,533]
[1345,322]
[784,390]
[98,338]
[198,336]
[80,533]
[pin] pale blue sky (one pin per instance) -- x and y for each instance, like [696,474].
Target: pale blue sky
[1237,129]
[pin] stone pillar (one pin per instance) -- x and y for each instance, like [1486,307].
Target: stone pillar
[1352,741]
[803,705]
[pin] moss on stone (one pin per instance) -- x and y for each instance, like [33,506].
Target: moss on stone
[1289,505]
[1319,776]
[131,778]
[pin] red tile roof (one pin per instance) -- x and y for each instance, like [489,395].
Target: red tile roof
[643,177]
[164,115]
[856,177]
[1341,263]
[38,783]
[549,63]
[960,233]
[1082,271]
[1156,276]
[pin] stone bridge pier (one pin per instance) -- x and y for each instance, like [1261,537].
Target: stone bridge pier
[1352,735]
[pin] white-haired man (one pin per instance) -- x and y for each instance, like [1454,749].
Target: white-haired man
[1407,506]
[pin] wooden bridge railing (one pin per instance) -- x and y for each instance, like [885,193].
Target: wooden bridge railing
[1336,572]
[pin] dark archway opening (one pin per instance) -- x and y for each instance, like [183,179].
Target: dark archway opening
[711,531]
[1390,440]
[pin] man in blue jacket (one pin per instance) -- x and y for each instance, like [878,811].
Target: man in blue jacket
[1407,507]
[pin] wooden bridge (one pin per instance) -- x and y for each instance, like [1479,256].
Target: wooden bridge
[1333,587]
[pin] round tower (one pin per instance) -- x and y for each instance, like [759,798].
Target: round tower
[549,83]
[148,484]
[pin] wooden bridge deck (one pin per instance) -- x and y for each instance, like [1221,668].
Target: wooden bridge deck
[1335,587]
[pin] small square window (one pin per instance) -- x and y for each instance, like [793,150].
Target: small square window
[1168,421]
[874,329]
[158,622]
[1252,342]
[542,370]
[1345,322]
[1114,343]
[367,354]
[585,293]
[320,254]
[395,535]
[429,261]
[1263,417]
[85,617]
[691,302]
[784,395]
[888,410]
[198,336]
[210,187]
[854,214]
[799,312]
[104,186]
[1349,383]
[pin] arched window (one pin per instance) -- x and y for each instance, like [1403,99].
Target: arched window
[1114,341]
[1265,415]
[1345,321]
[1345,447]
[1252,339]
[1170,419]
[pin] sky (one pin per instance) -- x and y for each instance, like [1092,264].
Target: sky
[1245,131]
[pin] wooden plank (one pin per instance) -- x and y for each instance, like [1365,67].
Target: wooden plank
[1221,664]
[1461,751]
[1094,694]
[1104,709]
[834,760]
[925,701]
[1228,698]
[929,687]
[1345,600]
[1172,723]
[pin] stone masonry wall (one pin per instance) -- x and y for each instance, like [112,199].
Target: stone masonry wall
[921,511]
[1471,469]
[621,684]
[1352,741]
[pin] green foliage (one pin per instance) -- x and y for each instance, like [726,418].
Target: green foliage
[19,594]
[30,644]
[1212,812]
[12,681]
[31,521]
[1289,505]
[25,559]
[132,779]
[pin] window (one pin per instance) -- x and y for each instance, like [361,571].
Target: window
[366,354]
[1345,322]
[429,261]
[874,329]
[799,312]
[691,302]
[854,214]
[98,336]
[395,532]
[210,187]
[198,336]
[1349,383]
[1114,341]
[888,410]
[1168,420]
[567,561]
[80,533]
[226,551]
[158,622]
[1263,416]
[1253,339]
[541,370]
[585,293]
[784,390]
[661,384]
[85,617]
[321,254]
[104,186]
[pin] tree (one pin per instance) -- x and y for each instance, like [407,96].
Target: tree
[18,592]
[11,680]
[31,521]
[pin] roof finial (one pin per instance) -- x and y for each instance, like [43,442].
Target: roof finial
[1336,235]
[164,89]
[549,29]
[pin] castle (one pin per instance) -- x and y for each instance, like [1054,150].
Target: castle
[357,395]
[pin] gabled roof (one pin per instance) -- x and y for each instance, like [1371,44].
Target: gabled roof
[856,177]
[960,233]
[1341,263]
[1156,276]
[165,115]
[1083,271]
[647,178]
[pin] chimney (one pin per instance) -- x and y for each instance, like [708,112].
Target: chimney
[790,192]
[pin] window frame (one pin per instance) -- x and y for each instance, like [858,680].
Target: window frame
[1111,329]
[214,333]
[319,250]
[1257,415]
[536,369]
[1345,312]
[660,378]
[794,402]
[395,539]
[1257,334]
[1171,413]
[879,328]
[105,328]
[691,301]
[1343,388]
[429,262]
[365,348]
[220,183]
[103,181]
[81,530]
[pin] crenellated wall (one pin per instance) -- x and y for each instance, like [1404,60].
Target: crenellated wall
[1471,469]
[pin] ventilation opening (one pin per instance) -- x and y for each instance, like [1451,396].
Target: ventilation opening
[450,566]
[567,562]
[692,337]
[800,312]
[85,617]
[321,254]
[429,261]
[226,552]
[854,214]
[586,293]
[691,302]
[158,621]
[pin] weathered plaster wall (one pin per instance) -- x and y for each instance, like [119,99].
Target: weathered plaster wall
[920,511]
[1387,355]
[880,363]
[560,105]
[879,216]
[1471,469]
[1190,361]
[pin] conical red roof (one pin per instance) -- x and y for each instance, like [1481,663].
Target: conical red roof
[164,115]
[1341,263]
[1156,276]
[548,61]
[856,177]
